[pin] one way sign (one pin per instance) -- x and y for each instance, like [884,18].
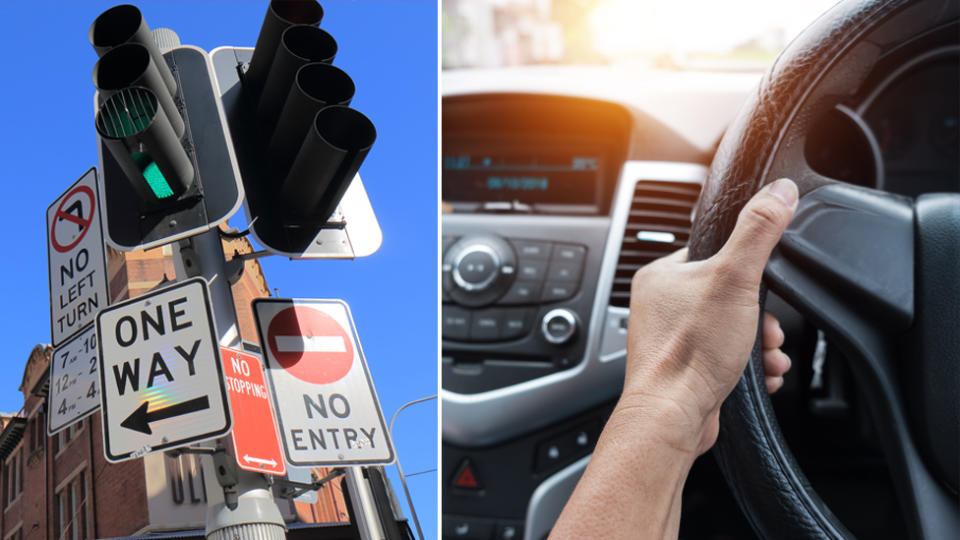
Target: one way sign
[161,378]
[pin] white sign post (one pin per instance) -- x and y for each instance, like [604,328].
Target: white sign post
[76,259]
[326,405]
[74,381]
[160,372]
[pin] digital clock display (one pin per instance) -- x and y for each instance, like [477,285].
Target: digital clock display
[551,180]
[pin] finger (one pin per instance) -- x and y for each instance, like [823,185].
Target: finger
[775,363]
[773,384]
[758,229]
[773,336]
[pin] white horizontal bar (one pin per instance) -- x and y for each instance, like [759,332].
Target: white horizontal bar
[310,344]
[656,236]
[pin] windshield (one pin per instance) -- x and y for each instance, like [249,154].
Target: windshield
[740,35]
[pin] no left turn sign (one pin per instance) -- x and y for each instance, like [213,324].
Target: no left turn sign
[76,212]
[77,262]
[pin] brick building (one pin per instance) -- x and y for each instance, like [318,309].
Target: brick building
[62,487]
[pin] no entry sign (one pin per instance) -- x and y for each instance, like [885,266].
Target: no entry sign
[76,259]
[310,345]
[326,405]
[255,439]
[160,373]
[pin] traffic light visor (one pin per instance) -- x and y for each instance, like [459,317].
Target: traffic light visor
[129,113]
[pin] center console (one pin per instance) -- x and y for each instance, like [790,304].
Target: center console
[540,240]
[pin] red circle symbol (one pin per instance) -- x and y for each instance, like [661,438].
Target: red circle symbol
[310,345]
[81,221]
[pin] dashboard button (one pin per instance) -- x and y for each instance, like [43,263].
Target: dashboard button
[515,323]
[531,270]
[569,253]
[512,530]
[477,268]
[522,292]
[485,325]
[564,271]
[567,447]
[456,323]
[467,527]
[554,291]
[550,454]
[531,249]
[558,326]
[466,476]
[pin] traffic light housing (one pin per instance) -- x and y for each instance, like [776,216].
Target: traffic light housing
[299,144]
[167,166]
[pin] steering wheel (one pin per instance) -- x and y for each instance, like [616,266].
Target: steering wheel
[879,274]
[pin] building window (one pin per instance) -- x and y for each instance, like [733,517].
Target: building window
[71,509]
[13,476]
[37,431]
[67,435]
[16,534]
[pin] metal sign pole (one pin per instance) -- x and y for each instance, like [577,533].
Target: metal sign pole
[239,503]
[365,509]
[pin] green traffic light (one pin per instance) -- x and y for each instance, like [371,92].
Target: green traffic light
[128,113]
[151,173]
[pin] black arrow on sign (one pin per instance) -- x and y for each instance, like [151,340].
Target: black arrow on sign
[140,419]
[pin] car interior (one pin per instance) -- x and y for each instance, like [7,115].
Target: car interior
[559,181]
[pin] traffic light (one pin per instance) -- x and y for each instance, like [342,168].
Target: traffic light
[298,142]
[161,180]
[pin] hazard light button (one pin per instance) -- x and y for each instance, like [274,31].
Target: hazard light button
[466,477]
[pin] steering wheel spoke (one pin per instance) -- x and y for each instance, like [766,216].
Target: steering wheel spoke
[847,263]
[853,243]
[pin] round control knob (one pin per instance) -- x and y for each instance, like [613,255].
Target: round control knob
[478,269]
[558,326]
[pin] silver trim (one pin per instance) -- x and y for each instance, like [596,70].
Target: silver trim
[489,417]
[613,343]
[871,138]
[550,497]
[473,287]
[561,313]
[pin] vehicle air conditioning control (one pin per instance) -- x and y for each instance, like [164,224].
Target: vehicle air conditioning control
[478,269]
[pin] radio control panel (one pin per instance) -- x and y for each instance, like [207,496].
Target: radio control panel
[516,299]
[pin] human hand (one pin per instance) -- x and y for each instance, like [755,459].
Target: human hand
[692,326]
[775,362]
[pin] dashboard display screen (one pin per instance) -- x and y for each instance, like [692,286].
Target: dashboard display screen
[547,179]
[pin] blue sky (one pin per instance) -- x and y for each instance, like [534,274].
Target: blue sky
[388,48]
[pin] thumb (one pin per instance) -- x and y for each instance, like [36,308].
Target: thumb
[758,229]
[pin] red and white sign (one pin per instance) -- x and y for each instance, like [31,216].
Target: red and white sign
[255,439]
[310,345]
[76,260]
[327,408]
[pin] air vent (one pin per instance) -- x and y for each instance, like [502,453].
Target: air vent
[659,224]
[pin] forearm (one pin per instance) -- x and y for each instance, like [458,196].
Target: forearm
[633,484]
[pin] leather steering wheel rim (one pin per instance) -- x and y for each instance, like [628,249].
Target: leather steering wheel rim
[766,480]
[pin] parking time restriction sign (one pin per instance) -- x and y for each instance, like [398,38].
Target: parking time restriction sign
[74,381]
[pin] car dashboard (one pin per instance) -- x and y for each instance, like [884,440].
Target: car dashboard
[551,201]
[559,182]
